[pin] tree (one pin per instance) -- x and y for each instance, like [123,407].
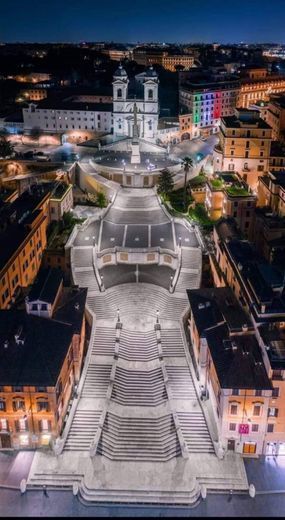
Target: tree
[67,219]
[165,182]
[6,148]
[36,133]
[187,164]
[101,199]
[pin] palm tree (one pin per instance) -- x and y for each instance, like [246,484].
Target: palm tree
[187,164]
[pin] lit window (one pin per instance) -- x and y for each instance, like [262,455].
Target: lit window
[256,410]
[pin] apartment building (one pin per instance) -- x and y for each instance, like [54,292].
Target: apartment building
[271,192]
[274,115]
[259,287]
[72,117]
[41,360]
[22,242]
[34,94]
[256,89]
[244,145]
[61,201]
[257,284]
[208,98]
[231,370]
[228,196]
[268,235]
[170,61]
[272,342]
[117,54]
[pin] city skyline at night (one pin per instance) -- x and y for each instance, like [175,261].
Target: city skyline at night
[128,21]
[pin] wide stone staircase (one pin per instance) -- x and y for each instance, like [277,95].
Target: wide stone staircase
[82,256]
[195,431]
[139,387]
[139,438]
[81,433]
[131,348]
[138,419]
[181,382]
[137,299]
[104,343]
[96,381]
[172,343]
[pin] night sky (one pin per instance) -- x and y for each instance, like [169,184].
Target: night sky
[143,20]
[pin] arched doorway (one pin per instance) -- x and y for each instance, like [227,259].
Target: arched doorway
[185,136]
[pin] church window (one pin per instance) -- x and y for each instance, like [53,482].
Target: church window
[150,94]
[119,92]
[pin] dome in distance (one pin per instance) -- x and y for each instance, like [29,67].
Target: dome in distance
[120,72]
[150,72]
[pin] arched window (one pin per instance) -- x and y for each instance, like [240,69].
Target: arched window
[119,93]
[150,94]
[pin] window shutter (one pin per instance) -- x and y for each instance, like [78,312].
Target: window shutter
[276,412]
[49,426]
[40,426]
[17,425]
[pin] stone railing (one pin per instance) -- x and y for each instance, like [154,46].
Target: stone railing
[148,256]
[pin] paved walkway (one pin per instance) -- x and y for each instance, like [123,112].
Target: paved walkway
[266,473]
[14,467]
[62,503]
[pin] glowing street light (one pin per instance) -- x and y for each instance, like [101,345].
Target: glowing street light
[157,316]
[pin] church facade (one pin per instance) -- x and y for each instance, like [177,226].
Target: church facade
[147,107]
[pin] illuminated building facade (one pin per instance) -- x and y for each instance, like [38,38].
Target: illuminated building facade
[147,106]
[35,394]
[208,101]
[167,60]
[259,89]
[259,287]
[22,242]
[227,195]
[244,145]
[231,370]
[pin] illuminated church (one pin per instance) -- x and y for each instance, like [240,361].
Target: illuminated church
[147,105]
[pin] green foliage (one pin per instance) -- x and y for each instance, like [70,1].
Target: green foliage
[101,200]
[199,215]
[238,191]
[59,231]
[67,219]
[187,164]
[176,200]
[199,180]
[165,183]
[6,148]
[217,183]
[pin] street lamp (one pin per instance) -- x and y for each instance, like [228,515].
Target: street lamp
[118,316]
[179,239]
[157,317]
[102,278]
[171,281]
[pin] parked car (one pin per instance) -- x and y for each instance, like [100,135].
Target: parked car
[28,155]
[43,158]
